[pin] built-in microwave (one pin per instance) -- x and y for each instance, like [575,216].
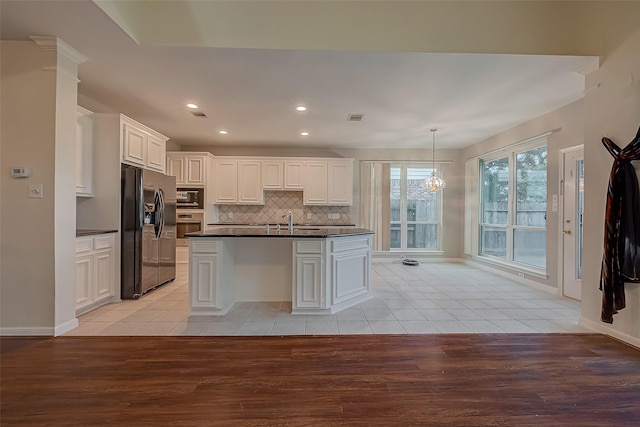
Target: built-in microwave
[190,198]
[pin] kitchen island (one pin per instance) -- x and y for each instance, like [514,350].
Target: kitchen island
[320,270]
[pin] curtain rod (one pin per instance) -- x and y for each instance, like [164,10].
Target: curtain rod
[515,144]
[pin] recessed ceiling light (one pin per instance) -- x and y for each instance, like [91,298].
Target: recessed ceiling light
[301,108]
[304,133]
[192,106]
[223,132]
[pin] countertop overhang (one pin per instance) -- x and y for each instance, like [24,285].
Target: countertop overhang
[282,233]
[92,232]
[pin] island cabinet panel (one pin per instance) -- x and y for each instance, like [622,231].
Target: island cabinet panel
[350,268]
[308,291]
[210,283]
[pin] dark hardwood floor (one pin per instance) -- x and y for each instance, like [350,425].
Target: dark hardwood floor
[429,380]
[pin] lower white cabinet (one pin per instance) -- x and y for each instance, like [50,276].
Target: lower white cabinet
[95,271]
[210,290]
[309,290]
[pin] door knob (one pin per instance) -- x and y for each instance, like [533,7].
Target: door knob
[566,231]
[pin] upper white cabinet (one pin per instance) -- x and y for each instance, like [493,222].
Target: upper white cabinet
[142,146]
[242,180]
[190,169]
[272,174]
[329,182]
[84,153]
[238,182]
[250,182]
[316,190]
[293,175]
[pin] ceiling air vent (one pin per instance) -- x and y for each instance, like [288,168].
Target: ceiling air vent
[199,114]
[355,117]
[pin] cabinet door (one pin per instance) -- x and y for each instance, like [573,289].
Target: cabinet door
[84,153]
[176,167]
[104,276]
[293,175]
[308,285]
[340,183]
[272,174]
[226,182]
[315,189]
[203,280]
[84,278]
[134,145]
[156,153]
[250,182]
[196,171]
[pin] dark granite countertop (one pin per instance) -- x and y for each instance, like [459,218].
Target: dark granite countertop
[282,224]
[91,232]
[307,231]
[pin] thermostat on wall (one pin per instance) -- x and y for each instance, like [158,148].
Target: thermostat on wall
[20,172]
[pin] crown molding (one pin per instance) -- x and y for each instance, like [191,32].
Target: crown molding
[54,44]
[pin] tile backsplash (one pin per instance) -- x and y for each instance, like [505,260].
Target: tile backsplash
[277,204]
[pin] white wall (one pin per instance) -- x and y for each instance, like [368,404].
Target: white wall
[612,109]
[570,121]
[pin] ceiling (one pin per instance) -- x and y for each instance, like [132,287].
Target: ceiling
[252,92]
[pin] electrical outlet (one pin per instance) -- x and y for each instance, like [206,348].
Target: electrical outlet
[309,216]
[521,275]
[230,215]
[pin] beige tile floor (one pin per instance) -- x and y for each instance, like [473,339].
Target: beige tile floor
[426,299]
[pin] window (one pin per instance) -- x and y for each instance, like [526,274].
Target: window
[415,213]
[513,206]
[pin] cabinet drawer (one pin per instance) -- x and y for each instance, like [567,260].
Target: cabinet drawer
[349,244]
[84,244]
[103,242]
[204,247]
[309,247]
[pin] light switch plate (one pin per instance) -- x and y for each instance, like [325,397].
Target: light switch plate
[35,191]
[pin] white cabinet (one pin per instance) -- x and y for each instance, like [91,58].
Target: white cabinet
[95,271]
[250,182]
[210,290]
[272,174]
[316,191]
[190,169]
[226,181]
[340,181]
[309,288]
[238,182]
[293,175]
[142,146]
[84,153]
[329,182]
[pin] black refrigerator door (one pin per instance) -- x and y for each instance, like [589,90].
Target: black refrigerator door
[131,221]
[150,230]
[167,227]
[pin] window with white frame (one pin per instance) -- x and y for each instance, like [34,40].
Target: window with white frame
[513,204]
[415,213]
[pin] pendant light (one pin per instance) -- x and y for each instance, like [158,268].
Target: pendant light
[434,183]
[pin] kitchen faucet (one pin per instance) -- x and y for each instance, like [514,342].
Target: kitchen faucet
[289,216]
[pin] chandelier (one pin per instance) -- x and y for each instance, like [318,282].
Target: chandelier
[434,183]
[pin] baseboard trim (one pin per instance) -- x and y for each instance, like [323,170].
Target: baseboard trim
[605,329]
[27,331]
[66,327]
[523,280]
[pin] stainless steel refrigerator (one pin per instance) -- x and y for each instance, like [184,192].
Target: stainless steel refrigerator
[148,217]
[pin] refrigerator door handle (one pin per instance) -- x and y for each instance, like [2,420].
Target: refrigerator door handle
[159,217]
